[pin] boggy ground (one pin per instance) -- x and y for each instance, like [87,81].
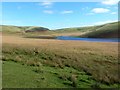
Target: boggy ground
[57,63]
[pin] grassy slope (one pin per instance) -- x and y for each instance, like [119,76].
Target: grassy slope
[105,31]
[21,29]
[100,31]
[12,29]
[79,29]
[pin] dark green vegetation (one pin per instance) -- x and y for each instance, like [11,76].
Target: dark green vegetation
[49,67]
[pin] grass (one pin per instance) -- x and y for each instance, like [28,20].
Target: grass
[16,75]
[63,65]
[48,77]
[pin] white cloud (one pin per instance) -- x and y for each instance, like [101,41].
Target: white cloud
[67,12]
[110,2]
[46,4]
[100,10]
[114,13]
[48,11]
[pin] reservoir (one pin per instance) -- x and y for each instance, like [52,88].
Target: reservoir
[89,39]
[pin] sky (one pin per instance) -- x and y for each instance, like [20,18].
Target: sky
[56,15]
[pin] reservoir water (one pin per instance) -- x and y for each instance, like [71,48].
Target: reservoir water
[89,39]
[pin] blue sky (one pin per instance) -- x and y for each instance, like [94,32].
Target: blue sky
[56,15]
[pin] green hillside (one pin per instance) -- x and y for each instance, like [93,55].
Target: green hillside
[106,31]
[19,29]
[6,28]
[109,30]
[77,29]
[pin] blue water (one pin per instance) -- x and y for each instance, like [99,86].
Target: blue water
[89,39]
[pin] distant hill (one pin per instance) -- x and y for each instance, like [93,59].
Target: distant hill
[109,30]
[8,28]
[36,29]
[19,29]
[105,31]
[78,29]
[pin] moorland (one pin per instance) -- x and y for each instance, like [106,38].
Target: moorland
[33,58]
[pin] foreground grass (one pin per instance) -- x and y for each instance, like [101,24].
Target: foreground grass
[16,75]
[68,66]
[26,76]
